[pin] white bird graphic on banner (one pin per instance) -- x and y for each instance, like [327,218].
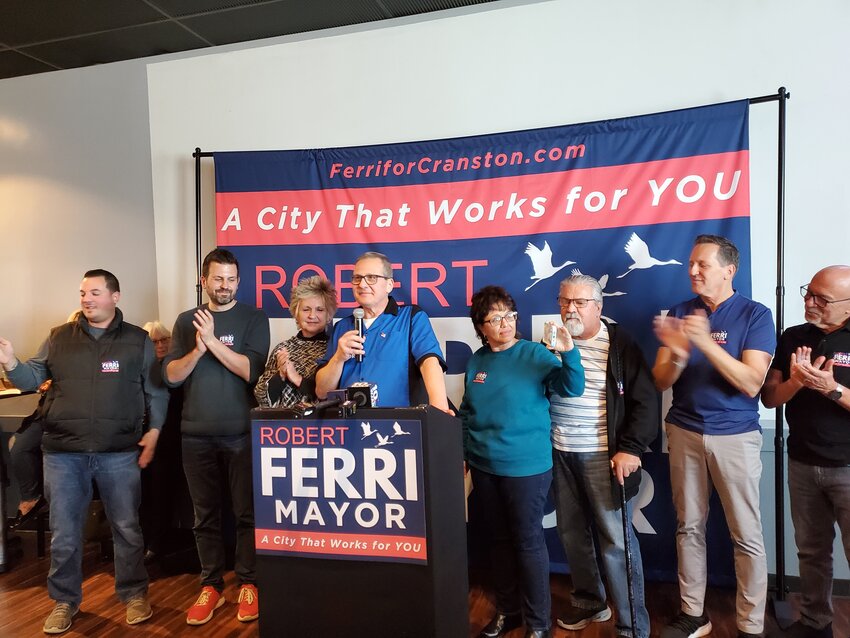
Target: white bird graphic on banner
[397,431]
[603,280]
[541,261]
[383,440]
[639,252]
[367,430]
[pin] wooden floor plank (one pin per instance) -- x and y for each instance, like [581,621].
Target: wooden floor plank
[24,605]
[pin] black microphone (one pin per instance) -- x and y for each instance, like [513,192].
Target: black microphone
[358,326]
[334,398]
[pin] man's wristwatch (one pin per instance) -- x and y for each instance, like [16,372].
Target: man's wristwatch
[835,395]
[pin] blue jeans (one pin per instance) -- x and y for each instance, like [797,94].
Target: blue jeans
[820,497]
[213,466]
[513,507]
[587,499]
[68,482]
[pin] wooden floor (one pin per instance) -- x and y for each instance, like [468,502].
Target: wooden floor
[24,605]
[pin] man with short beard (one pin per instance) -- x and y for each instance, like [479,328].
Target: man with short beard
[811,373]
[217,353]
[598,439]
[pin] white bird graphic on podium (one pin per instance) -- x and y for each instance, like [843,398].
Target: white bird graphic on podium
[639,252]
[541,261]
[383,440]
[397,431]
[367,430]
[603,280]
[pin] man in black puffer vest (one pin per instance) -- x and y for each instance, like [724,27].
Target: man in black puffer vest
[94,427]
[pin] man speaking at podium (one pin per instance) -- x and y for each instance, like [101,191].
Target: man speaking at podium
[391,346]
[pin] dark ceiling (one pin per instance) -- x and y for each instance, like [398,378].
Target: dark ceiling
[46,35]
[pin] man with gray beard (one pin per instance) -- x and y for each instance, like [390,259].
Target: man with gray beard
[598,439]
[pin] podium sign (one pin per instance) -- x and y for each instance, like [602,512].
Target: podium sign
[360,526]
[340,489]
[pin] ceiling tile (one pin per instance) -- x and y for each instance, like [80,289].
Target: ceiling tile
[31,21]
[280,18]
[14,64]
[124,44]
[177,8]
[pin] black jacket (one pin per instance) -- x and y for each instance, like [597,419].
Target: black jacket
[633,402]
[96,402]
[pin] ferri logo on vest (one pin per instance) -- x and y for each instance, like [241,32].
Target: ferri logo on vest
[719,336]
[110,366]
[227,340]
[841,359]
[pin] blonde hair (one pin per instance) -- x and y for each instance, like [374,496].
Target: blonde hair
[314,286]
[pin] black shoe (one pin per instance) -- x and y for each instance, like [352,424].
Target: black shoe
[500,625]
[20,519]
[578,618]
[687,626]
[538,633]
[798,630]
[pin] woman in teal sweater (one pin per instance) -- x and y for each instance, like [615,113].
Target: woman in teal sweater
[505,414]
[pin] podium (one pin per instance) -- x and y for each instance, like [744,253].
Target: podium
[360,526]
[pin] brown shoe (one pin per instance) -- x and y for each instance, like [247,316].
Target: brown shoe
[138,610]
[60,618]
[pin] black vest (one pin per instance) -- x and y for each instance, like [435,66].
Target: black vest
[96,402]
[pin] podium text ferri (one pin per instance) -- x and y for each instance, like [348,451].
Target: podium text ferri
[360,524]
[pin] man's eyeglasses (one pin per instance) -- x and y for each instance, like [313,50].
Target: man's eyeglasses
[496,320]
[578,303]
[370,279]
[818,300]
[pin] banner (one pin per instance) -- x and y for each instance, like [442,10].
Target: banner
[621,200]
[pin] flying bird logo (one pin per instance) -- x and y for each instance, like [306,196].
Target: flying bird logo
[541,261]
[639,252]
[367,430]
[397,431]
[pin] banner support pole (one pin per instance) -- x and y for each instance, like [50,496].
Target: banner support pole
[198,289]
[781,609]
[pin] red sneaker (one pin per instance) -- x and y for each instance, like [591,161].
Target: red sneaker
[202,611]
[248,606]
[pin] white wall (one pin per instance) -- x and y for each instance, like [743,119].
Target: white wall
[74,195]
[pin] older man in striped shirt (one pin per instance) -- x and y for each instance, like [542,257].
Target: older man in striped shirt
[598,439]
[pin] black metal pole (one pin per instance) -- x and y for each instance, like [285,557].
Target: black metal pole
[197,156]
[781,608]
[779,439]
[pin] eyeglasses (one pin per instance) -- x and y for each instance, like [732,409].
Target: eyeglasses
[370,279]
[578,303]
[818,300]
[162,340]
[496,320]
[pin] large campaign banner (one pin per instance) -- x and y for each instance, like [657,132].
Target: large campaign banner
[620,199]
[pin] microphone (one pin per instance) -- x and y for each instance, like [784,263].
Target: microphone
[358,326]
[334,398]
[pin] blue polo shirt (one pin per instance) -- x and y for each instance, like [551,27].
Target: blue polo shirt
[703,401]
[399,339]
